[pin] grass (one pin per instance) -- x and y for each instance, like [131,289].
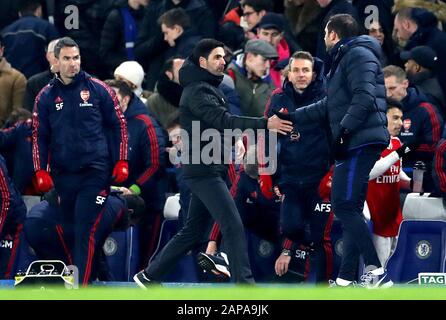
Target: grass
[220,292]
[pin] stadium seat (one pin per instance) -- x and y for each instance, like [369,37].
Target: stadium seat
[420,248]
[423,207]
[262,257]
[121,249]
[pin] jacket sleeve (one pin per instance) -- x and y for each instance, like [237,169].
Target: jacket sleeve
[41,132]
[361,82]
[208,108]
[316,112]
[431,128]
[5,196]
[18,91]
[439,172]
[113,117]
[150,151]
[8,137]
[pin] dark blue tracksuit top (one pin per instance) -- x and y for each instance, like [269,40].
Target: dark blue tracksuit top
[147,145]
[16,146]
[70,125]
[303,159]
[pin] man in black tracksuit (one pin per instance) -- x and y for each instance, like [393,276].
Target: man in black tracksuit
[355,108]
[304,158]
[74,116]
[203,104]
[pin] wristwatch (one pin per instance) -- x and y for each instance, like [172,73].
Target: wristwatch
[286,252]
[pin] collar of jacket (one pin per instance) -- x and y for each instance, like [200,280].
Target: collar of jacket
[169,90]
[77,78]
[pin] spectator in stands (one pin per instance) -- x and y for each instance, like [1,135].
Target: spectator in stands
[72,120]
[176,28]
[166,99]
[250,72]
[147,162]
[386,178]
[271,28]
[131,73]
[303,161]
[421,67]
[30,32]
[418,27]
[303,17]
[119,33]
[329,9]
[40,80]
[422,123]
[12,216]
[253,11]
[385,40]
[16,147]
[12,87]
[355,109]
[149,46]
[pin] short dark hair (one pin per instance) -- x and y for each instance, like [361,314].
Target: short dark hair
[259,5]
[301,55]
[392,103]
[344,25]
[28,6]
[122,86]
[63,43]
[168,64]
[203,48]
[177,16]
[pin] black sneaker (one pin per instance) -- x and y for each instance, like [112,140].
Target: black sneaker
[217,264]
[142,280]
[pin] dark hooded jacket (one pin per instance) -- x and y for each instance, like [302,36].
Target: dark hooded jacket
[429,35]
[202,102]
[356,95]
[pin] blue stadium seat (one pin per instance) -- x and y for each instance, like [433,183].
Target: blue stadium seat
[262,257]
[121,249]
[420,248]
[186,270]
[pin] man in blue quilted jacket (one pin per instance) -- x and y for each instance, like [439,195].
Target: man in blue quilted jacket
[355,108]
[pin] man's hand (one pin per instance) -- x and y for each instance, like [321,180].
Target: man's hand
[282,264]
[239,151]
[266,186]
[211,248]
[44,182]
[121,171]
[278,125]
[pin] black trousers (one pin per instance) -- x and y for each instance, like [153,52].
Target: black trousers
[348,193]
[210,199]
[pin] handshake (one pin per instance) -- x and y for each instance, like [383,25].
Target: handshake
[280,122]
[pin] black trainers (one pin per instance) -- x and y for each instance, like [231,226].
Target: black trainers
[372,281]
[142,280]
[217,264]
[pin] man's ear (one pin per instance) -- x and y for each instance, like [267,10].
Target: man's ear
[406,83]
[169,74]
